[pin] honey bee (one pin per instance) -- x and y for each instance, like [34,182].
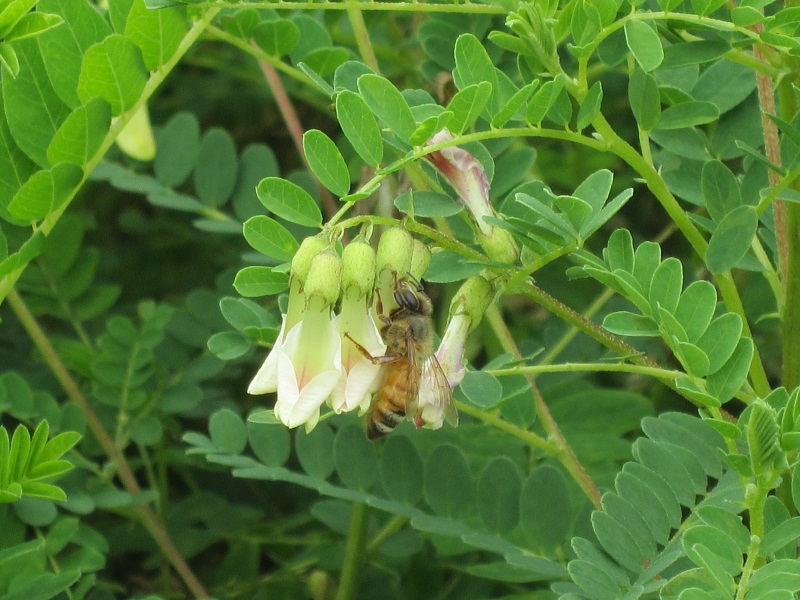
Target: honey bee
[412,378]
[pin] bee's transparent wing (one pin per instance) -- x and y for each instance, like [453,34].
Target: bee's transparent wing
[413,378]
[435,398]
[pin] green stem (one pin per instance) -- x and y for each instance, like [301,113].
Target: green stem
[363,40]
[353,553]
[394,525]
[148,518]
[594,367]
[526,436]
[565,454]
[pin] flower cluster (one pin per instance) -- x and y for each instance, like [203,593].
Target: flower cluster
[313,362]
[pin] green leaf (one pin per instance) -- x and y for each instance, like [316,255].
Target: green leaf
[467,105]
[482,389]
[228,345]
[158,33]
[515,104]
[447,266]
[114,70]
[729,379]
[665,289]
[731,239]
[177,147]
[33,109]
[216,168]
[9,60]
[725,84]
[228,431]
[270,238]
[543,100]
[692,53]
[315,451]
[498,493]
[448,483]
[388,104]
[355,457]
[63,47]
[278,37]
[645,99]
[359,127]
[401,470]
[590,107]
[326,162]
[632,324]
[32,25]
[644,44]
[706,7]
[270,442]
[80,135]
[252,282]
[427,204]
[720,189]
[696,308]
[474,67]
[720,339]
[687,114]
[59,445]
[45,191]
[289,201]
[545,513]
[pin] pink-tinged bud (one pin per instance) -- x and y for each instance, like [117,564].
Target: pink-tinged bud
[468,178]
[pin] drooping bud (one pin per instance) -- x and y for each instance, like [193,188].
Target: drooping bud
[395,249]
[358,268]
[499,245]
[309,248]
[136,138]
[420,259]
[472,299]
[324,275]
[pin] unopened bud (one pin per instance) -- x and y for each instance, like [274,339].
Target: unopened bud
[136,138]
[395,249]
[358,272]
[499,245]
[309,248]
[420,259]
[324,275]
[472,299]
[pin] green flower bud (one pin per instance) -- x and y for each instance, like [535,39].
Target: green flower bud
[358,272]
[309,248]
[420,259]
[472,299]
[324,275]
[395,249]
[499,245]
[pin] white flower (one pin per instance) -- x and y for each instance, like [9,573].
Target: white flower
[359,374]
[450,353]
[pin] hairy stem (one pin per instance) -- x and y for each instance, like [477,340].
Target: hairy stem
[565,454]
[149,519]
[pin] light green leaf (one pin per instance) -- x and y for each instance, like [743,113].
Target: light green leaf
[80,135]
[731,239]
[33,24]
[543,100]
[251,282]
[729,379]
[468,104]
[388,104]
[158,33]
[720,339]
[644,99]
[359,127]
[590,107]
[696,308]
[270,238]
[326,162]
[216,168]
[427,204]
[114,70]
[644,44]
[706,7]
[33,109]
[289,201]
[8,59]
[278,37]
[632,324]
[45,191]
[482,389]
[429,126]
[665,288]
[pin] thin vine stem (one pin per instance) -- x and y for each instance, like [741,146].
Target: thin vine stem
[149,519]
[656,372]
[526,436]
[353,553]
[565,453]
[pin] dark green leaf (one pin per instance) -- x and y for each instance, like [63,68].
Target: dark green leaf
[177,147]
[216,168]
[644,99]
[270,238]
[359,127]
[270,442]
[260,281]
[427,204]
[448,483]
[729,379]
[482,389]
[498,495]
[401,470]
[45,191]
[468,104]
[720,190]
[687,114]
[590,107]
[277,37]
[388,104]
[545,514]
[632,324]
[315,451]
[355,457]
[644,44]
[732,239]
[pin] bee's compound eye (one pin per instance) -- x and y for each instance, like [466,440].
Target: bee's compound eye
[407,299]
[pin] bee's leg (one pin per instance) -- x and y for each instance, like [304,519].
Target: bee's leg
[375,360]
